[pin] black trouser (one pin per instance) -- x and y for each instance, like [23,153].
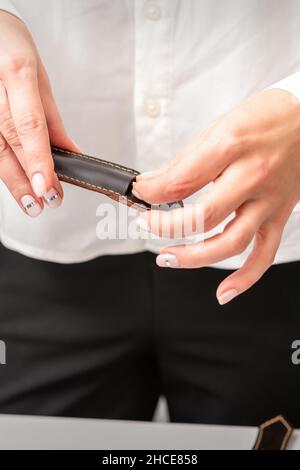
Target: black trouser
[106,338]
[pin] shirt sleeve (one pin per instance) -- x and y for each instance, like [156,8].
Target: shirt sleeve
[290,84]
[7,5]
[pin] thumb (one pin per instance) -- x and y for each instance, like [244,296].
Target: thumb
[192,168]
[153,186]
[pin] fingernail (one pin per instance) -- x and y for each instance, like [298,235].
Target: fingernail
[52,199]
[31,206]
[150,174]
[136,193]
[38,184]
[167,260]
[142,224]
[227,296]
[146,174]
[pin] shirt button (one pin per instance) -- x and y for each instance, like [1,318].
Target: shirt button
[152,11]
[152,107]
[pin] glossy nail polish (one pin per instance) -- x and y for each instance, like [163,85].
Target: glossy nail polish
[39,184]
[52,198]
[167,260]
[227,296]
[31,206]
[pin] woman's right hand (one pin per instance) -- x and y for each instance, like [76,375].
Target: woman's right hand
[29,120]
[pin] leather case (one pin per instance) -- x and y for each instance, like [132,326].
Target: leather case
[95,174]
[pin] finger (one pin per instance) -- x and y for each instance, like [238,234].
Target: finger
[211,208]
[30,123]
[53,197]
[236,237]
[177,223]
[267,241]
[57,132]
[7,127]
[191,169]
[16,181]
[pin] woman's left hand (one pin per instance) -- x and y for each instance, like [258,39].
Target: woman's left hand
[252,154]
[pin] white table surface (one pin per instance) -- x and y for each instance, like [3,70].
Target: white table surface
[26,432]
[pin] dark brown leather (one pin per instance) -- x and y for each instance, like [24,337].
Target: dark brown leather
[273,434]
[95,174]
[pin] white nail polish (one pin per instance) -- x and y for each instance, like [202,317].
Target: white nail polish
[52,199]
[167,260]
[38,184]
[227,296]
[142,224]
[31,206]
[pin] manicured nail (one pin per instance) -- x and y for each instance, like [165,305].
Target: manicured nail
[150,174]
[38,184]
[142,224]
[167,260]
[31,206]
[53,199]
[147,174]
[135,192]
[227,296]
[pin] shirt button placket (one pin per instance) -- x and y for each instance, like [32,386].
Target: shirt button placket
[153,36]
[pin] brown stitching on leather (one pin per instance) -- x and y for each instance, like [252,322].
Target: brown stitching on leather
[97,160]
[101,188]
[89,184]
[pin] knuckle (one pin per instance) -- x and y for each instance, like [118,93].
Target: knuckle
[29,125]
[13,138]
[230,144]
[262,170]
[230,141]
[10,132]
[3,144]
[16,62]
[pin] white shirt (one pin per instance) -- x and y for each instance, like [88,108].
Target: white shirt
[135,80]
